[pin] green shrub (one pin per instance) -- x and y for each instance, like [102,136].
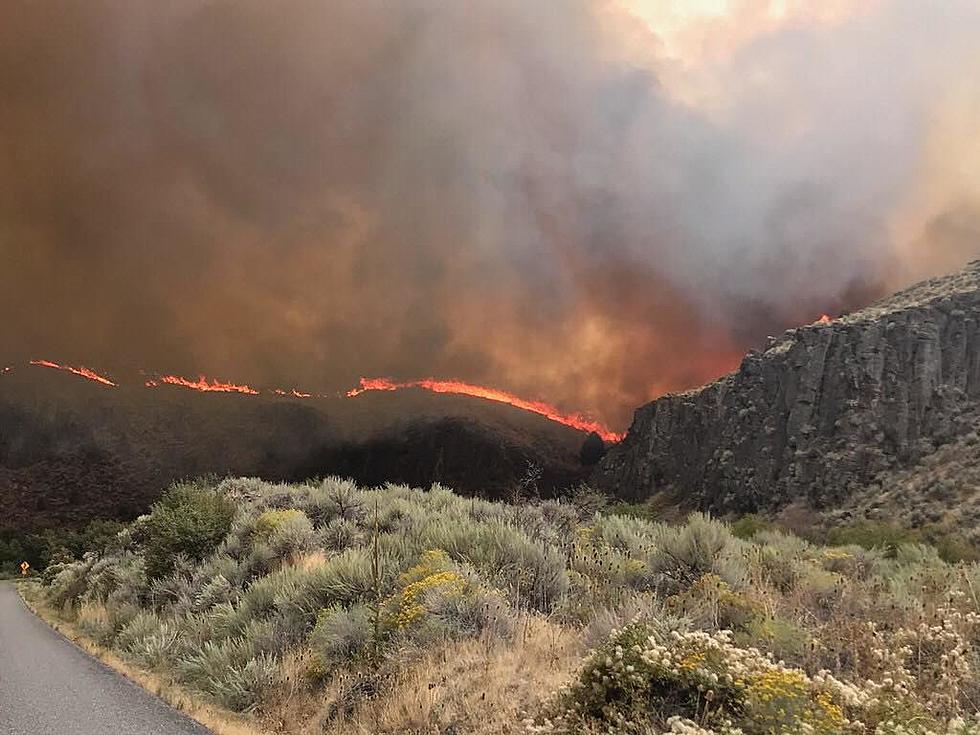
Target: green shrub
[232,672]
[216,591]
[68,582]
[749,525]
[712,604]
[532,574]
[873,535]
[145,623]
[155,650]
[287,532]
[244,687]
[270,521]
[187,520]
[342,635]
[339,534]
[701,546]
[641,511]
[335,498]
[476,612]
[783,638]
[55,545]
[953,547]
[628,535]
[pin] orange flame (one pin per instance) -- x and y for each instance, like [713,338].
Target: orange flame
[5,370]
[204,385]
[825,319]
[83,372]
[212,385]
[576,421]
[291,393]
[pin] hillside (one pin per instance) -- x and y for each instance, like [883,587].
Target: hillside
[326,608]
[824,413]
[71,450]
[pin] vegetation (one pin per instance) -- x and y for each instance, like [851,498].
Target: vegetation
[329,608]
[889,537]
[593,449]
[41,548]
[188,520]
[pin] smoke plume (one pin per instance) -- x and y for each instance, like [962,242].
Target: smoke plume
[557,198]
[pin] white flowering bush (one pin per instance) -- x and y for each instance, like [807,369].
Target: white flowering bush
[700,683]
[697,682]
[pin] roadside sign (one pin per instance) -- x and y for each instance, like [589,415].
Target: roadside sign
[24,566]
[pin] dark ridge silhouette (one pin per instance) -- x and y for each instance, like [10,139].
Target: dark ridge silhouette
[72,450]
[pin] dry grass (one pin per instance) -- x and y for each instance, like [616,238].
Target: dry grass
[470,686]
[309,561]
[320,643]
[219,721]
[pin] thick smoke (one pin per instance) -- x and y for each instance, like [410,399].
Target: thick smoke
[530,195]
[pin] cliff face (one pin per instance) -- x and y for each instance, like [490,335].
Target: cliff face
[822,411]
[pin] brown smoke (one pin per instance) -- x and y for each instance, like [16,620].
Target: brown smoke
[497,191]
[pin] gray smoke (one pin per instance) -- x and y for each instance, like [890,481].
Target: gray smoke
[498,191]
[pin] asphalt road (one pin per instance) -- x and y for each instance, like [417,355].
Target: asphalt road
[50,687]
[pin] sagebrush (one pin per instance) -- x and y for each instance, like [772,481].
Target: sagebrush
[402,610]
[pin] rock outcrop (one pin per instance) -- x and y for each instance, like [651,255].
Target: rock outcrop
[821,412]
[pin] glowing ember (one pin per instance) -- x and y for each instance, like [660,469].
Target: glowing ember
[576,421]
[80,371]
[5,370]
[825,319]
[293,393]
[204,385]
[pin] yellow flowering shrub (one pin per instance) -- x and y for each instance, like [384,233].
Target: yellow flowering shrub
[433,572]
[780,699]
[268,521]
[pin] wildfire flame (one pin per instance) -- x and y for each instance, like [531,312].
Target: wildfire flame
[292,393]
[5,370]
[204,385]
[83,372]
[212,385]
[576,421]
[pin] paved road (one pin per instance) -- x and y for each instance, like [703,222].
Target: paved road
[50,687]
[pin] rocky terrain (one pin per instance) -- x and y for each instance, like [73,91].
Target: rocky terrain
[825,415]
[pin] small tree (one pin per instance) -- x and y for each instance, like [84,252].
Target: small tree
[593,449]
[186,520]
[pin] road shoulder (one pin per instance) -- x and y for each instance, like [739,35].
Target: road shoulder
[215,719]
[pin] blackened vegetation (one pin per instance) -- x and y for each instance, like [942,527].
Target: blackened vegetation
[71,451]
[455,452]
[593,449]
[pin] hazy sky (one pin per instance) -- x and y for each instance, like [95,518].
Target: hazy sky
[585,201]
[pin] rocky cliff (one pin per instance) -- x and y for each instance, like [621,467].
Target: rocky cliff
[823,411]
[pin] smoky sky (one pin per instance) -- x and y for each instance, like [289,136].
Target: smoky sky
[499,191]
